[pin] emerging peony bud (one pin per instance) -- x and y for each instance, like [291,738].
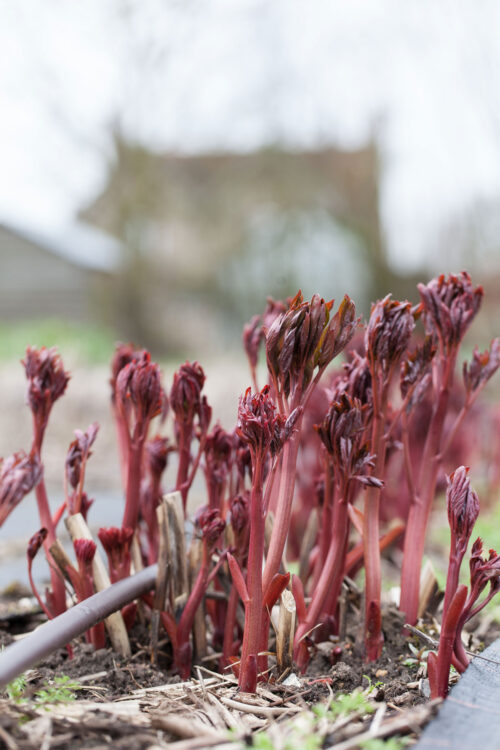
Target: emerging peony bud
[304,337]
[476,557]
[218,447]
[218,459]
[239,509]
[416,365]
[116,543]
[341,433]
[483,366]
[258,423]
[35,543]
[449,306]
[254,332]
[242,456]
[205,416]
[85,550]
[157,450]
[79,452]
[138,384]
[19,474]
[339,332]
[252,336]
[388,332]
[358,379]
[185,394]
[47,381]
[291,422]
[124,354]
[462,503]
[344,421]
[211,525]
[85,504]
[482,571]
[83,578]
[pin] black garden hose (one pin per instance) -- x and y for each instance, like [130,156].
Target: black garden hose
[61,630]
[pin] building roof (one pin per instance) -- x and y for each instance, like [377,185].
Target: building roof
[78,243]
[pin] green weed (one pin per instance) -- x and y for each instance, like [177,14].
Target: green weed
[61,690]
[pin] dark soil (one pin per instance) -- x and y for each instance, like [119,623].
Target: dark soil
[121,675]
[389,676]
[106,677]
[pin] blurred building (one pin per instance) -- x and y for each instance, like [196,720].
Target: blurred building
[65,274]
[208,237]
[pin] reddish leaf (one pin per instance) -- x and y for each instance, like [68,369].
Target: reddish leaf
[238,579]
[275,589]
[298,595]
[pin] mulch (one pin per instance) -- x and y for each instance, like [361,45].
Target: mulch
[134,704]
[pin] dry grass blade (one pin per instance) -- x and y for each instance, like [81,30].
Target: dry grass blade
[286,631]
[136,554]
[199,627]
[164,567]
[61,558]
[252,708]
[429,589]
[7,740]
[232,720]
[408,721]
[177,541]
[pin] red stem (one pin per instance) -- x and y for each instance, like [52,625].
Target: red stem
[58,597]
[59,514]
[418,516]
[325,534]
[456,426]
[183,647]
[457,552]
[408,466]
[35,590]
[284,506]
[468,612]
[355,556]
[373,633]
[77,498]
[446,642]
[232,606]
[253,609]
[134,474]
[190,479]
[253,373]
[122,433]
[182,484]
[330,578]
[151,519]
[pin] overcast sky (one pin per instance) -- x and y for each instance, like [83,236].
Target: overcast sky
[423,75]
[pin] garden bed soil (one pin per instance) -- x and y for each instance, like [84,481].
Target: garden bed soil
[134,704]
